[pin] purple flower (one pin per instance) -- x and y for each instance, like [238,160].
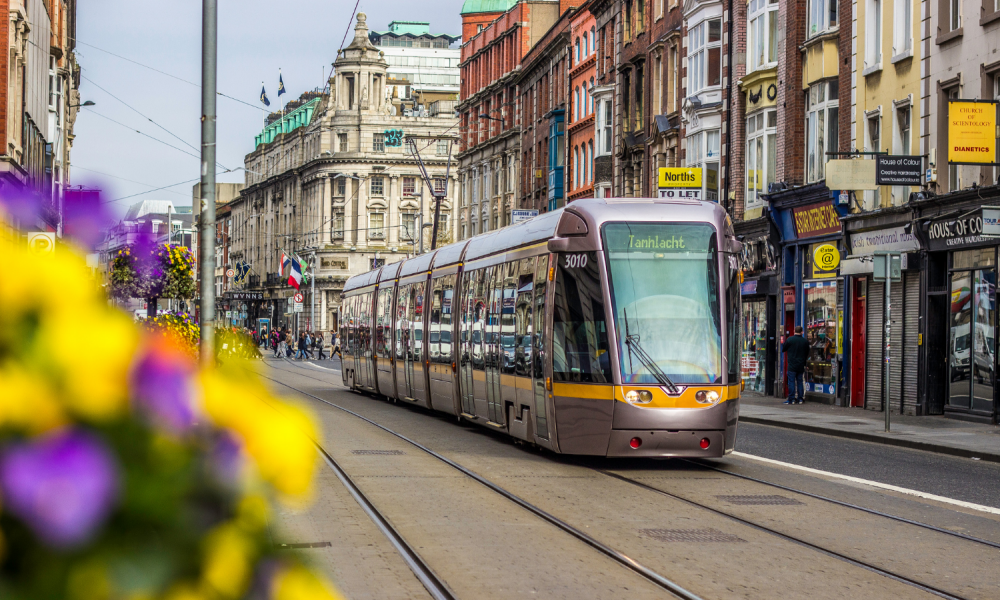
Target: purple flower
[63,486]
[85,216]
[227,458]
[162,387]
[21,203]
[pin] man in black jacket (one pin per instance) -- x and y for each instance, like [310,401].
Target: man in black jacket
[796,349]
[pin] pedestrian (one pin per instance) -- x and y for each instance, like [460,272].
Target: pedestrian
[319,346]
[309,345]
[336,348]
[301,354]
[796,350]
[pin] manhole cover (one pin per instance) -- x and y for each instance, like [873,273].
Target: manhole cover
[391,452]
[690,535]
[758,500]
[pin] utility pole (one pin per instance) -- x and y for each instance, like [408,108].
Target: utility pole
[209,66]
[312,291]
[429,183]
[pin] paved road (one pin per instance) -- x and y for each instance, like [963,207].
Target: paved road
[952,477]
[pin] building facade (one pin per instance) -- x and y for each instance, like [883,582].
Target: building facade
[580,122]
[334,181]
[423,67]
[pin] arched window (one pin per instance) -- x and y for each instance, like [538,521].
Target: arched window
[591,94]
[590,161]
[586,45]
[576,104]
[576,167]
[593,39]
[577,50]
[584,98]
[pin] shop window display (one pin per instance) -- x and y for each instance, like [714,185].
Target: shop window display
[821,333]
[754,345]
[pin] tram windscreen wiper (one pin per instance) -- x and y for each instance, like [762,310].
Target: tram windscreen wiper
[633,346]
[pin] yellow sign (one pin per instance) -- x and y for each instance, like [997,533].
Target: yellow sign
[671,177]
[826,257]
[972,132]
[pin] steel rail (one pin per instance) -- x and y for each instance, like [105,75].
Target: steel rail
[849,505]
[832,553]
[615,555]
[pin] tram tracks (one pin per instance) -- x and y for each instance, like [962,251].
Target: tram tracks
[433,583]
[651,575]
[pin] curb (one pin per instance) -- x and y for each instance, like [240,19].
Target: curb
[878,439]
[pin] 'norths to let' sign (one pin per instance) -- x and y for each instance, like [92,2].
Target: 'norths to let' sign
[680,177]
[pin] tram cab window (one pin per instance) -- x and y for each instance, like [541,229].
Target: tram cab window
[580,333]
[665,288]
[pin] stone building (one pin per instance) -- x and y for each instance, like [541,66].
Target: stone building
[333,181]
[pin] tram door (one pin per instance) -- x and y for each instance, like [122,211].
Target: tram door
[480,340]
[538,354]
[402,341]
[383,341]
[523,327]
[415,356]
[467,323]
[369,320]
[494,352]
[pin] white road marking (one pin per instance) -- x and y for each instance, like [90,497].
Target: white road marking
[884,486]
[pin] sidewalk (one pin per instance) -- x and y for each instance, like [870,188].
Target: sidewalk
[931,433]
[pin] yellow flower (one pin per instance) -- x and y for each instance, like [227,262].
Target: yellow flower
[229,556]
[277,435]
[299,583]
[187,592]
[28,402]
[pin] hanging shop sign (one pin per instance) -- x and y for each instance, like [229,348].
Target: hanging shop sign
[788,295]
[949,234]
[748,288]
[991,221]
[972,135]
[892,239]
[850,174]
[680,177]
[244,295]
[681,193]
[816,219]
[519,215]
[899,170]
[826,257]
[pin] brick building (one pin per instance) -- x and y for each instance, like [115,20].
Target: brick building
[490,148]
[580,121]
[607,14]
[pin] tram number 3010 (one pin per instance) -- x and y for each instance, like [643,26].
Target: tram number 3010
[576,261]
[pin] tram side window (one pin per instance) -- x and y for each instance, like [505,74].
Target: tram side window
[479,319]
[522,318]
[434,332]
[447,304]
[580,333]
[382,329]
[402,327]
[538,345]
[508,339]
[734,324]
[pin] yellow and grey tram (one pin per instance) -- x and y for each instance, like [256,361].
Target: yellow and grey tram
[609,327]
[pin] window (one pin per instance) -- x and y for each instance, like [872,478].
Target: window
[583,98]
[341,142]
[410,185]
[593,39]
[762,42]
[822,16]
[703,152]
[902,32]
[378,142]
[761,160]
[341,186]
[639,88]
[673,80]
[821,127]
[510,173]
[586,46]
[576,104]
[576,52]
[590,161]
[901,140]
[576,166]
[338,224]
[442,148]
[604,128]
[640,20]
[377,185]
[704,59]
[955,14]
[657,80]
[627,20]
[873,34]
[408,225]
[486,181]
[579,328]
[659,9]
[475,186]
[590,96]
[442,226]
[439,185]
[376,225]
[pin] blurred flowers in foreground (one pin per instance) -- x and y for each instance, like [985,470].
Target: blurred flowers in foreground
[125,470]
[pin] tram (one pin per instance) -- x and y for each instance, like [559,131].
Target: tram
[610,327]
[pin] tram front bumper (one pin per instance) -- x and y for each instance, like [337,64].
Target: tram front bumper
[663,443]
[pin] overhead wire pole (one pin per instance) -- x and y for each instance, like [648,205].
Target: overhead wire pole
[429,184]
[206,255]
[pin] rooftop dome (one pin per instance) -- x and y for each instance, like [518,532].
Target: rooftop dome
[486,6]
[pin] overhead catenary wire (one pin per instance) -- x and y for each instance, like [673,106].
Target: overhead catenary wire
[73,166]
[97,114]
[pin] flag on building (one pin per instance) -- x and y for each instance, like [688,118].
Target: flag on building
[284,263]
[295,275]
[263,96]
[304,267]
[281,84]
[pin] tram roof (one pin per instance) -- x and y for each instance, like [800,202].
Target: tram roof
[362,280]
[417,264]
[450,254]
[389,271]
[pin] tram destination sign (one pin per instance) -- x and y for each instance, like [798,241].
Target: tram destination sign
[899,170]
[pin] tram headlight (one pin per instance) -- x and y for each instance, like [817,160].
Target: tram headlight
[639,396]
[706,397]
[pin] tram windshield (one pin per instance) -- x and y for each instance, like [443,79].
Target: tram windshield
[665,289]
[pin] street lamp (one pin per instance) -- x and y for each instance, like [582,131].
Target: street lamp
[87,103]
[485,116]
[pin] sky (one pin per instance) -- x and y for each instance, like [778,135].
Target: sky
[256,38]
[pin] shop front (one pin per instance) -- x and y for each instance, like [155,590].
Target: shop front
[759,292]
[961,320]
[885,230]
[808,221]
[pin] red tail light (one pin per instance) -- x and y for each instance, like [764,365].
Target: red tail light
[705,443]
[635,443]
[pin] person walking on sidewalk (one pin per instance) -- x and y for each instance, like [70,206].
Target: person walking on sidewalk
[319,346]
[796,349]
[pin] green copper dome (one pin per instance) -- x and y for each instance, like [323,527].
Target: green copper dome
[486,6]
